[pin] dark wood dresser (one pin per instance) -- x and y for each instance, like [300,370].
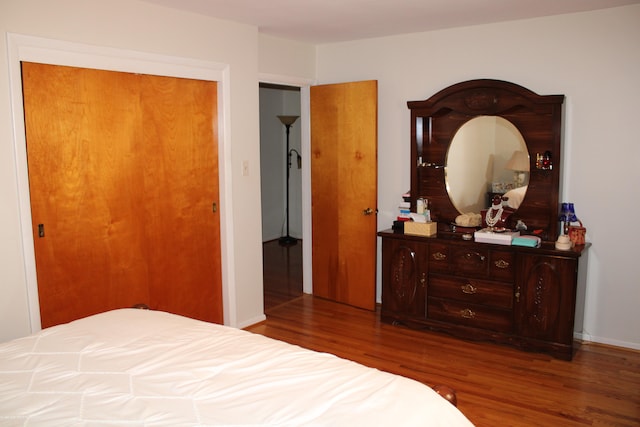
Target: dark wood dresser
[523,297]
[520,296]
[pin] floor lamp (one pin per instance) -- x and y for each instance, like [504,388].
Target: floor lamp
[287,121]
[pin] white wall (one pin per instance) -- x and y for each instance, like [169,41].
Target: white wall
[271,164]
[286,61]
[593,58]
[135,26]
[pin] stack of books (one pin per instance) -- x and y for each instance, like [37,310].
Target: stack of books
[404,209]
[404,212]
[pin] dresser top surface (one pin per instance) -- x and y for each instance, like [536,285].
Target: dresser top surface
[546,248]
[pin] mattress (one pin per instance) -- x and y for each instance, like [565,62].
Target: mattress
[133,367]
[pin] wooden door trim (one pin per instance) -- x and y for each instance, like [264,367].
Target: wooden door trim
[56,52]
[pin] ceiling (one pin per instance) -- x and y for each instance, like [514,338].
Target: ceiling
[328,21]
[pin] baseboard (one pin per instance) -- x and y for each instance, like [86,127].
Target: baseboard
[253,321]
[588,338]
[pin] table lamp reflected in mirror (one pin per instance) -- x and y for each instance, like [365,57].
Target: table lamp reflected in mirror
[519,164]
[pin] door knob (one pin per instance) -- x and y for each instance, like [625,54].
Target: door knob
[369,211]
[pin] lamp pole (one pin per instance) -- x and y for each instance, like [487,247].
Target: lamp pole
[287,121]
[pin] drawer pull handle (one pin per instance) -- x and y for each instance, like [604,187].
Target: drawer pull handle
[470,255]
[501,263]
[467,314]
[469,289]
[423,280]
[439,256]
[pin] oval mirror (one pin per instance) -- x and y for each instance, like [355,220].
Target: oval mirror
[487,155]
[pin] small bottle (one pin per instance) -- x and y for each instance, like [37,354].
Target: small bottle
[427,211]
[420,207]
[546,161]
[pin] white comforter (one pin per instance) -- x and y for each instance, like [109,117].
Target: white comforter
[137,367]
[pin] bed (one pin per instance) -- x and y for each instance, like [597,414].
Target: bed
[515,196]
[132,367]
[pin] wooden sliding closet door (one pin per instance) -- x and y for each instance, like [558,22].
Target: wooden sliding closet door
[179,121]
[122,176]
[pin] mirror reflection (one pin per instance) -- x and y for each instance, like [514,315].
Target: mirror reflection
[487,155]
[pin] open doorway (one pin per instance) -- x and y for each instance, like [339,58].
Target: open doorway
[281,164]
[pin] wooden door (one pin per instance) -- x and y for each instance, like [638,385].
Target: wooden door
[122,176]
[546,295]
[344,191]
[404,278]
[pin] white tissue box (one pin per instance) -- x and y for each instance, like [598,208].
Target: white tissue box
[486,236]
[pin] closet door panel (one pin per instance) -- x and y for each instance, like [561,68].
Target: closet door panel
[108,206]
[84,200]
[181,185]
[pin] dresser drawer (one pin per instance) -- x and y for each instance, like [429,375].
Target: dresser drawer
[502,266]
[470,260]
[466,314]
[456,259]
[494,294]
[439,257]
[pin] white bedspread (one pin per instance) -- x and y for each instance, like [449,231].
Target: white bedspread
[138,367]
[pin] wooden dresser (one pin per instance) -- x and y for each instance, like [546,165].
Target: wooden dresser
[524,297]
[521,296]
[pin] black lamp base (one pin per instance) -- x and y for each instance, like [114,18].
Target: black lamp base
[287,241]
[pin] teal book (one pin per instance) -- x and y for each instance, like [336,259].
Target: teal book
[528,241]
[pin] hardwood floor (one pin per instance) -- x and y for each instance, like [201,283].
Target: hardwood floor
[496,385]
[282,272]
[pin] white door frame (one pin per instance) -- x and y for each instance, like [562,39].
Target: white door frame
[305,146]
[56,52]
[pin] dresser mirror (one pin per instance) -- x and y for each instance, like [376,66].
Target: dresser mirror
[487,156]
[435,124]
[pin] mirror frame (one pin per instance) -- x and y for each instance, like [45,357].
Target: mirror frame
[435,121]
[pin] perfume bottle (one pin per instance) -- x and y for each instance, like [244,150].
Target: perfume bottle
[546,161]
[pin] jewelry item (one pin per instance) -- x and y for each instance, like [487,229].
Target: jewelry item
[493,220]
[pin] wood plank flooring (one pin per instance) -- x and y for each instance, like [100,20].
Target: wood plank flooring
[282,272]
[496,385]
